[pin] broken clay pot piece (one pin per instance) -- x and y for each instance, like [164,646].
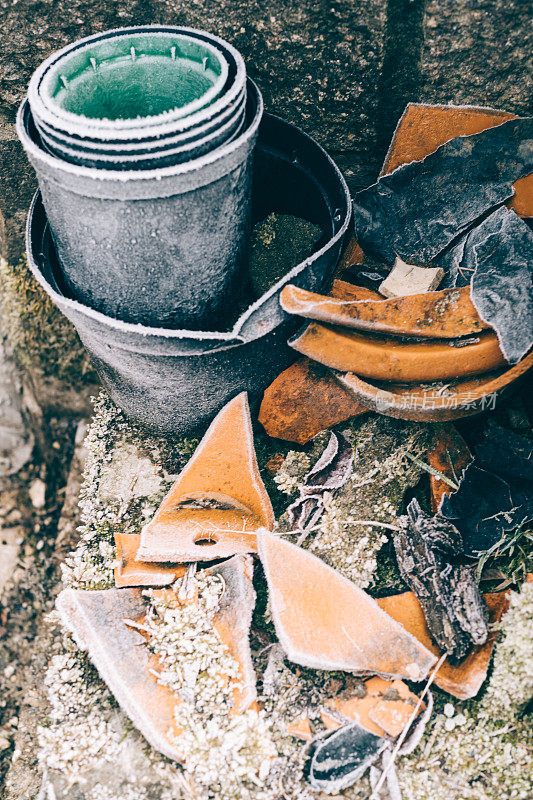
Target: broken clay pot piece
[324,621]
[438,315]
[384,709]
[304,400]
[96,621]
[435,402]
[423,128]
[384,359]
[218,502]
[449,455]
[463,680]
[129,572]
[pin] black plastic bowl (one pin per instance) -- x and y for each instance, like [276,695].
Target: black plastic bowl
[175,381]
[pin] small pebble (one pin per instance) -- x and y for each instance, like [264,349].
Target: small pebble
[9,670]
[460,719]
[37,493]
[449,710]
[4,743]
[449,724]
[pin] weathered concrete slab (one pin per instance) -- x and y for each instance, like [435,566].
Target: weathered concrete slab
[477,53]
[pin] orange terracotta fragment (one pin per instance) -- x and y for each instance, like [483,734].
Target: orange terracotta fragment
[325,621]
[130,572]
[96,620]
[223,475]
[424,128]
[446,314]
[464,680]
[385,359]
[384,710]
[342,290]
[449,455]
[429,403]
[304,400]
[300,728]
[232,622]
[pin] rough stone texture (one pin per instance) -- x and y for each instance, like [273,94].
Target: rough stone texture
[478,53]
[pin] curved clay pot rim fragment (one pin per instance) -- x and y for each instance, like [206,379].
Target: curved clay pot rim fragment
[445,314]
[260,317]
[380,358]
[124,129]
[465,398]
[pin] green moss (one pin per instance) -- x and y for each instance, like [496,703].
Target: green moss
[42,337]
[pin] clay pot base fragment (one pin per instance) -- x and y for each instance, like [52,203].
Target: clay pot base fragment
[458,399]
[129,572]
[108,623]
[464,680]
[324,621]
[304,400]
[219,500]
[446,314]
[96,620]
[384,359]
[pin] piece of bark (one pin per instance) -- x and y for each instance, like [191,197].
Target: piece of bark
[324,621]
[465,679]
[330,472]
[406,279]
[304,400]
[219,500]
[458,183]
[383,358]
[428,550]
[339,759]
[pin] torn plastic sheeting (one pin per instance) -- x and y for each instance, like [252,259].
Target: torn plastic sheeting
[459,183]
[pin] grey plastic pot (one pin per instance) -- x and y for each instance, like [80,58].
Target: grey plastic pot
[57,139]
[163,247]
[139,128]
[162,157]
[174,381]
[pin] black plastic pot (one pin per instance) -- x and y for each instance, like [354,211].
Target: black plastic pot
[162,247]
[174,381]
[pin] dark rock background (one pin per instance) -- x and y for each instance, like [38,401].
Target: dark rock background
[341,69]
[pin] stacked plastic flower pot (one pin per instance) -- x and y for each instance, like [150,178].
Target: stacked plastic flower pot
[154,159]
[141,139]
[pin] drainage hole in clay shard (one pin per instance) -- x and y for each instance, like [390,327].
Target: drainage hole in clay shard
[202,541]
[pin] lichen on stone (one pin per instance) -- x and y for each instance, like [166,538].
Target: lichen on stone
[127,473]
[226,755]
[41,335]
[358,517]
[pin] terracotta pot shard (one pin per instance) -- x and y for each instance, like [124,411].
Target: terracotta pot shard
[384,359]
[462,398]
[130,572]
[96,620]
[304,400]
[384,710]
[232,622]
[448,455]
[324,621]
[439,315]
[464,680]
[219,500]
[423,128]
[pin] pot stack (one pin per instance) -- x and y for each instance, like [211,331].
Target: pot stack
[142,140]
